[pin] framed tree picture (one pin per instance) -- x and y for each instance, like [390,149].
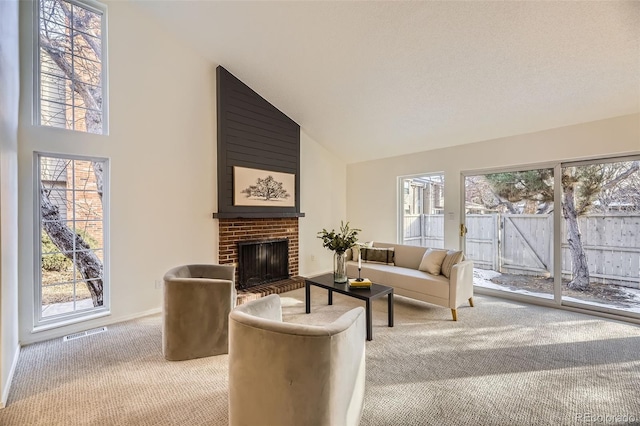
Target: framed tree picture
[255,187]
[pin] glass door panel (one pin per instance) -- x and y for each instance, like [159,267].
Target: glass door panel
[509,221]
[601,235]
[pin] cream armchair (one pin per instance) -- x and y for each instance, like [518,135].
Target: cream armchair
[291,374]
[197,302]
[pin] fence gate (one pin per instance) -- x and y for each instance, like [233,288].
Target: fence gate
[526,245]
[515,244]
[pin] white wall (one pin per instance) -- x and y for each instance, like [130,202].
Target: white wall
[323,200]
[9,101]
[162,149]
[162,155]
[372,202]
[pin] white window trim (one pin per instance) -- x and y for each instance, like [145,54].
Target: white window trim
[400,200]
[40,324]
[95,7]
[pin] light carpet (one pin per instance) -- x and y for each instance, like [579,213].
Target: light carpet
[501,363]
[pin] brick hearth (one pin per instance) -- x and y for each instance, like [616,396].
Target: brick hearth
[233,231]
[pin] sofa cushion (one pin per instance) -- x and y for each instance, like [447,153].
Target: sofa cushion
[432,261]
[379,255]
[379,273]
[406,278]
[405,256]
[421,282]
[452,257]
[354,252]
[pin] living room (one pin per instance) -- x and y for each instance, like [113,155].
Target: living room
[570,91]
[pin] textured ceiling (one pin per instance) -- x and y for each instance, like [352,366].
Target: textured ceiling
[378,79]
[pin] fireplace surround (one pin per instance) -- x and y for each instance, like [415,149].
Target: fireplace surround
[240,230]
[253,134]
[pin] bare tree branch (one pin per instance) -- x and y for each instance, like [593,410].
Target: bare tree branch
[634,167]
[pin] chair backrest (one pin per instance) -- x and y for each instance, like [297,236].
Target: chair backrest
[222,272]
[197,303]
[294,374]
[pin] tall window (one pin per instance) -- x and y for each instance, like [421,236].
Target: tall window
[71,65]
[423,210]
[72,196]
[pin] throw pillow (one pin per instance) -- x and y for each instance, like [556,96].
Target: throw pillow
[348,254]
[452,257]
[357,248]
[378,255]
[432,261]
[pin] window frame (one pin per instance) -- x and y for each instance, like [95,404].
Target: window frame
[92,6]
[401,189]
[54,321]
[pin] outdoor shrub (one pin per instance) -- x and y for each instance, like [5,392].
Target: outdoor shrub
[53,262]
[58,261]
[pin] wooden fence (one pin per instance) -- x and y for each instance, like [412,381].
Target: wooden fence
[523,243]
[424,230]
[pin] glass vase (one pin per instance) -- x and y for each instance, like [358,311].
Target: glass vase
[340,267]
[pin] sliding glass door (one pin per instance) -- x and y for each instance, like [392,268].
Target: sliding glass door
[509,222]
[593,262]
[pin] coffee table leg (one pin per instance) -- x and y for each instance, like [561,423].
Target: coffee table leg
[369,325]
[390,308]
[307,297]
[330,298]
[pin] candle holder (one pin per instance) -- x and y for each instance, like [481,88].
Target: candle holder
[359,279]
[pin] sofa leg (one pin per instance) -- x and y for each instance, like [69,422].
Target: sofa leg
[471,302]
[454,313]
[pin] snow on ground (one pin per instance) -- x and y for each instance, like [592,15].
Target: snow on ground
[482,277]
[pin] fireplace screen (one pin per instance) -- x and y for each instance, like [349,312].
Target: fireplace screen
[263,261]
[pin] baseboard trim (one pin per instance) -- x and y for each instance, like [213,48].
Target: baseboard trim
[137,315]
[12,371]
[80,326]
[315,274]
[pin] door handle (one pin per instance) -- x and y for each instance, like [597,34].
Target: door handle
[463,230]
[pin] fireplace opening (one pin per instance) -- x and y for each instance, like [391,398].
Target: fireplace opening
[262,261]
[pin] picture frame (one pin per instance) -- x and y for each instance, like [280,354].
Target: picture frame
[266,188]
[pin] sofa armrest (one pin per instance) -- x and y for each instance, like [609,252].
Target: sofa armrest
[460,283]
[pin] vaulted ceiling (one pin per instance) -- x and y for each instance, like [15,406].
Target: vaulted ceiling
[372,79]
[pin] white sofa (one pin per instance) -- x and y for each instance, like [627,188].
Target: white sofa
[407,280]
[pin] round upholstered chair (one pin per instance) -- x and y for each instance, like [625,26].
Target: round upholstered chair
[197,302]
[290,374]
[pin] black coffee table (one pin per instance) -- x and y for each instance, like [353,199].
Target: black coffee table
[376,291]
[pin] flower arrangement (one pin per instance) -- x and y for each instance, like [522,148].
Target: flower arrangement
[339,242]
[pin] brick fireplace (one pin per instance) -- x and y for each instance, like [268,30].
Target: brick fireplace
[233,231]
[253,134]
